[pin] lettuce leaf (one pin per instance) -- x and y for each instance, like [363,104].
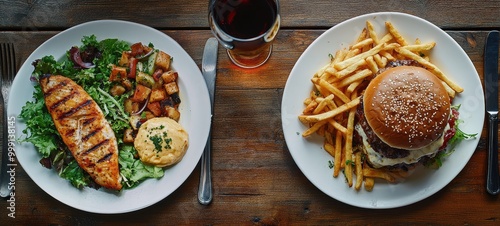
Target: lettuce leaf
[133,170]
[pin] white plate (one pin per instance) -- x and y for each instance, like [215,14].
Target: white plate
[313,160]
[195,117]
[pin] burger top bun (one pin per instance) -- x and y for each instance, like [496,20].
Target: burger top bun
[407,107]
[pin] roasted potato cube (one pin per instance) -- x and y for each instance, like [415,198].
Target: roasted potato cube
[147,115]
[127,84]
[163,61]
[127,106]
[117,73]
[169,76]
[135,121]
[155,108]
[157,74]
[172,113]
[141,93]
[157,94]
[145,79]
[137,49]
[171,88]
[128,136]
[117,90]
[125,59]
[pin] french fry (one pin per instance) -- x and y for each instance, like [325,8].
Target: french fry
[349,70]
[376,173]
[346,63]
[359,171]
[387,55]
[353,87]
[329,148]
[431,67]
[337,126]
[372,33]
[362,35]
[420,47]
[372,65]
[395,33]
[338,154]
[369,183]
[329,114]
[348,145]
[387,37]
[322,104]
[351,53]
[449,90]
[362,44]
[314,128]
[355,77]
[310,108]
[334,90]
[381,61]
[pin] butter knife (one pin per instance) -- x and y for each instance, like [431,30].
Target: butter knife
[491,86]
[208,66]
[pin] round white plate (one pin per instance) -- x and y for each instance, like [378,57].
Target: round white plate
[308,152]
[195,118]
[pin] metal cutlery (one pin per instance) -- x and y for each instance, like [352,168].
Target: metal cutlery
[209,66]
[8,71]
[491,86]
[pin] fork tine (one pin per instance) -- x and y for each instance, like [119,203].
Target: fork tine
[8,59]
[12,57]
[3,62]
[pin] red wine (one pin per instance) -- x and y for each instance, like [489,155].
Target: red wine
[245,19]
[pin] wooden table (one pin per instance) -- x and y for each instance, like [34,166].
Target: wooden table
[255,179]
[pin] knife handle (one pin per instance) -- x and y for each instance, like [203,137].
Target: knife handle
[205,186]
[492,178]
[4,176]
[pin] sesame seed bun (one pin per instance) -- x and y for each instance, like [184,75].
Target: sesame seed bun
[407,107]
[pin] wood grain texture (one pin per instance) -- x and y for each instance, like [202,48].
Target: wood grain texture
[256,181]
[43,15]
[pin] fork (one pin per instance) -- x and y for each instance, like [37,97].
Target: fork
[7,73]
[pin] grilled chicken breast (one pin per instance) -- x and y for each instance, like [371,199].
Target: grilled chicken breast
[83,129]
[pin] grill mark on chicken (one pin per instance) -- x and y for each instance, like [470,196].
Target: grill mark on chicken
[87,121]
[105,158]
[91,134]
[52,89]
[70,132]
[74,110]
[63,100]
[95,147]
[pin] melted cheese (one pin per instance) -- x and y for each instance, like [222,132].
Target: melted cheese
[378,160]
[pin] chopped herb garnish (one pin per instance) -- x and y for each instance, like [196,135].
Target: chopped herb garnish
[157,140]
[330,164]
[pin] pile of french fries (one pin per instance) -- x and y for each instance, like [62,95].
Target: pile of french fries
[330,108]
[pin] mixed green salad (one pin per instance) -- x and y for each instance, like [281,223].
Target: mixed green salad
[92,73]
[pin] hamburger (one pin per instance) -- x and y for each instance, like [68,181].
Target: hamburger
[404,117]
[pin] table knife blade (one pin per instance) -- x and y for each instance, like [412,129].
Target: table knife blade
[209,67]
[491,95]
